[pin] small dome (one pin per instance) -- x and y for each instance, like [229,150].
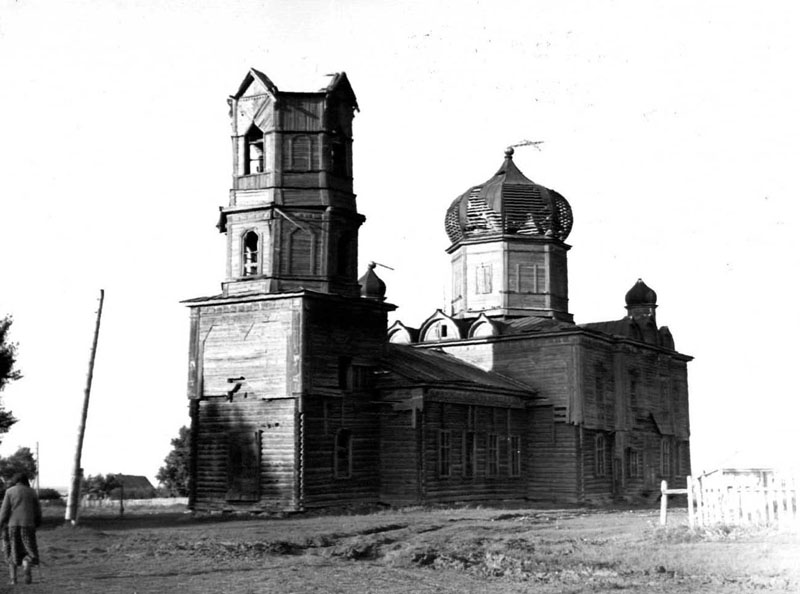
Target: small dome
[509,204]
[372,287]
[640,294]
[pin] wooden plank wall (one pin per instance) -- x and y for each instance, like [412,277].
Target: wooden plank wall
[218,419]
[485,420]
[553,461]
[336,330]
[400,457]
[249,340]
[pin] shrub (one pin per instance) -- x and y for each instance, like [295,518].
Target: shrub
[48,494]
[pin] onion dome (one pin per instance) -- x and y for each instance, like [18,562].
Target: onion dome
[640,294]
[508,204]
[372,287]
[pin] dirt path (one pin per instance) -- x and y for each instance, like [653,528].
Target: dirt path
[414,550]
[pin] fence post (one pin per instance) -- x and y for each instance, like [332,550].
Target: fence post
[664,503]
[690,501]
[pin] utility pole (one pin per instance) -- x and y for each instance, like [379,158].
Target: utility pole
[77,471]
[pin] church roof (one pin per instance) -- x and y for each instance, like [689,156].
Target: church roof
[327,83]
[435,367]
[509,204]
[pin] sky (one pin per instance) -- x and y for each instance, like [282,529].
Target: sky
[671,127]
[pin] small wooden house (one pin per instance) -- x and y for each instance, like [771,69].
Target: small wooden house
[301,397]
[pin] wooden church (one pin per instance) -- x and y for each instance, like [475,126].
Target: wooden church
[302,397]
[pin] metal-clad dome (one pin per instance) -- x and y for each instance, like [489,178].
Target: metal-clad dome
[508,203]
[640,294]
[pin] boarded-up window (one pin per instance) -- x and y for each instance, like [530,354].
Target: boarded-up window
[683,458]
[301,253]
[514,455]
[445,447]
[531,278]
[343,463]
[244,466]
[301,153]
[483,279]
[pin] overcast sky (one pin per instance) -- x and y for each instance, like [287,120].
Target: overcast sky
[671,127]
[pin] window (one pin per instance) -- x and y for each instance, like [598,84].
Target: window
[444,452]
[250,254]
[600,455]
[633,463]
[254,151]
[343,454]
[531,278]
[344,372]
[470,453]
[514,455]
[666,457]
[352,376]
[483,279]
[492,454]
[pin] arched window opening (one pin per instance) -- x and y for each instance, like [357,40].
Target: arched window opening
[600,455]
[343,463]
[250,254]
[254,151]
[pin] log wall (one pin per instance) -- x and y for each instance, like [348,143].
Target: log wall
[220,422]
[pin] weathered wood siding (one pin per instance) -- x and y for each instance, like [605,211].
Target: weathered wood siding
[257,341]
[401,460]
[553,459]
[342,340]
[220,422]
[487,480]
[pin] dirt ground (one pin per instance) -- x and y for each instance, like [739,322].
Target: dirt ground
[455,549]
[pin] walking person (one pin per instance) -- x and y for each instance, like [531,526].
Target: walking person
[20,516]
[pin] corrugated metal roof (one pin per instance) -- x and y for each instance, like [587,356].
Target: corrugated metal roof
[434,367]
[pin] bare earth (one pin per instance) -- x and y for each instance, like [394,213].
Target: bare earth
[456,549]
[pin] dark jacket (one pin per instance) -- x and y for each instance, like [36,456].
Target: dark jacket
[21,508]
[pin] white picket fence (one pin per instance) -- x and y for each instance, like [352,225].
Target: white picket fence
[769,500]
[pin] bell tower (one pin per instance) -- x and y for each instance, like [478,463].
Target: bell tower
[291,220]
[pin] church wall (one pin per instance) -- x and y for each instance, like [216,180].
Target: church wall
[483,432]
[262,479]
[552,457]
[343,336]
[400,442]
[245,373]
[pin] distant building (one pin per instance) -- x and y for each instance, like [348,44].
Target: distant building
[300,397]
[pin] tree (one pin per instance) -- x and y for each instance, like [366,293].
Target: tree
[20,461]
[174,475]
[8,357]
[100,486]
